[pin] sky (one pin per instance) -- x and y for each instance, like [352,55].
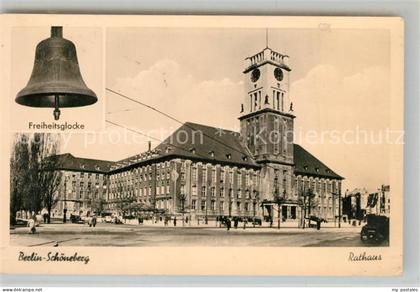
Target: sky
[339,86]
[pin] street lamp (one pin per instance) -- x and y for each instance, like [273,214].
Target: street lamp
[230,202]
[254,203]
[307,196]
[65,200]
[339,207]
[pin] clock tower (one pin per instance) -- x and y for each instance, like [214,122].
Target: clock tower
[266,112]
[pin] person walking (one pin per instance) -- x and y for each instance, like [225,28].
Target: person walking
[94,219]
[174,221]
[228,224]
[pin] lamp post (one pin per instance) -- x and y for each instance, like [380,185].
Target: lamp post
[254,203]
[95,196]
[230,202]
[307,196]
[339,207]
[65,200]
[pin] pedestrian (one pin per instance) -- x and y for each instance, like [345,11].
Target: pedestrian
[186,220]
[245,222]
[45,217]
[235,222]
[228,224]
[175,221]
[271,222]
[31,224]
[318,224]
[94,220]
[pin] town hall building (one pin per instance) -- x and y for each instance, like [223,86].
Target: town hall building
[205,172]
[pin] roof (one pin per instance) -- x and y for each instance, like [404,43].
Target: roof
[307,164]
[210,144]
[69,162]
[200,143]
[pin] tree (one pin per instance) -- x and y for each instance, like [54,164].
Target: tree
[34,179]
[44,164]
[279,199]
[306,200]
[182,199]
[19,175]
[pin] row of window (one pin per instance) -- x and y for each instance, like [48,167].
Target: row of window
[221,206]
[222,192]
[317,186]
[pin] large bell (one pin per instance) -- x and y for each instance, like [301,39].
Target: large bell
[56,80]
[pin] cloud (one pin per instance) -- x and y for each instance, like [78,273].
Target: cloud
[326,100]
[168,87]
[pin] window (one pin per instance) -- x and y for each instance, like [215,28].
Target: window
[238,206]
[213,205]
[222,175]
[213,176]
[248,195]
[246,206]
[222,191]
[203,205]
[222,205]
[213,192]
[238,194]
[203,191]
[193,204]
[239,179]
[194,190]
[204,174]
[194,174]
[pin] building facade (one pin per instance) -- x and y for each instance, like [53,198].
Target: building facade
[205,172]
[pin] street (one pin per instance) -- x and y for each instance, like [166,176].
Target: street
[106,234]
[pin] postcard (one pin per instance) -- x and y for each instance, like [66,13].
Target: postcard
[202,145]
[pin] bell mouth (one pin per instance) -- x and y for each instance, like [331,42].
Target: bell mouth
[48,100]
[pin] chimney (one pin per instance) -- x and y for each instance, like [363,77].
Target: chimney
[150,146]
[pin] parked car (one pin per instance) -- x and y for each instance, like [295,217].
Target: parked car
[376,229]
[117,220]
[257,221]
[76,219]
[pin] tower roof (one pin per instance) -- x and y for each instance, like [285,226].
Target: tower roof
[267,56]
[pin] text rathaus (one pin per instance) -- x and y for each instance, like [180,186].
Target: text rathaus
[205,172]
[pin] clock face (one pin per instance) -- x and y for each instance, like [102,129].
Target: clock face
[255,75]
[278,74]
